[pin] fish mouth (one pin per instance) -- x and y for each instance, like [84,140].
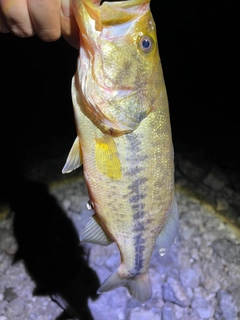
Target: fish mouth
[114,11]
[94,15]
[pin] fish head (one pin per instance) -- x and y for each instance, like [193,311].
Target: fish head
[119,65]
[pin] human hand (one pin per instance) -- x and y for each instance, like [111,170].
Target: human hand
[49,19]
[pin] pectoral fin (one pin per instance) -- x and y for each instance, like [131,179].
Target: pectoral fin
[74,159]
[168,234]
[107,158]
[94,233]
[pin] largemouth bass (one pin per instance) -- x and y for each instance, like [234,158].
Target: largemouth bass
[123,137]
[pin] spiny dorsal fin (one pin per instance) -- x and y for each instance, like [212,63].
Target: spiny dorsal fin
[94,233]
[74,159]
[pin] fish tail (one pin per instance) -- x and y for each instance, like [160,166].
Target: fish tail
[139,287]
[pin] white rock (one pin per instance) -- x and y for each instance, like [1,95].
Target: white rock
[5,261]
[6,239]
[121,315]
[215,180]
[167,313]
[212,285]
[227,308]
[179,312]
[173,292]
[203,308]
[199,292]
[3,306]
[189,278]
[15,307]
[222,204]
[142,314]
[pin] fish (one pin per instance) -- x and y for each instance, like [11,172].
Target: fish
[124,139]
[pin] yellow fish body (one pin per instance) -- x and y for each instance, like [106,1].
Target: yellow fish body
[124,137]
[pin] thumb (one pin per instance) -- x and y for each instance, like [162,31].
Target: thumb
[69,27]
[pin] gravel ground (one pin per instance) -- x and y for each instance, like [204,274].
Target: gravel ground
[44,270]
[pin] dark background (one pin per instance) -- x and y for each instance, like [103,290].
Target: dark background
[198,46]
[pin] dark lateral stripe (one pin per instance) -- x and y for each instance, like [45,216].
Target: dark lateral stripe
[137,193]
[139,246]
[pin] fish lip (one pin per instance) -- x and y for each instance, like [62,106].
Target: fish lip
[119,2]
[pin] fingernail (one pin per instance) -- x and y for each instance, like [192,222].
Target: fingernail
[66,8]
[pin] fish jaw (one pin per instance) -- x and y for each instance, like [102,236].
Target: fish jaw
[113,72]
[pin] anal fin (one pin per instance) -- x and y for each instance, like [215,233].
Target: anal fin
[94,233]
[74,159]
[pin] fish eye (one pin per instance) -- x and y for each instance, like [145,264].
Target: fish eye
[146,43]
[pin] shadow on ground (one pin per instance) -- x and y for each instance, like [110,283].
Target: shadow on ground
[49,246]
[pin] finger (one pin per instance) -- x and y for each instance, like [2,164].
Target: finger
[69,27]
[16,17]
[45,15]
[3,27]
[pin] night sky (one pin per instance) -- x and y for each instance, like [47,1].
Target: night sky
[198,48]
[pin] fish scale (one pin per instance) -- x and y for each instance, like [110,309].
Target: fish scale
[125,143]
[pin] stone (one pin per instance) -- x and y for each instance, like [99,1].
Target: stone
[9,294]
[15,307]
[189,278]
[3,306]
[121,315]
[228,250]
[167,313]
[211,284]
[179,312]
[5,261]
[206,252]
[215,180]
[143,314]
[203,308]
[226,308]
[173,292]
[222,204]
[234,290]
[191,170]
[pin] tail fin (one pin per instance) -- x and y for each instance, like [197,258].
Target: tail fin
[139,287]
